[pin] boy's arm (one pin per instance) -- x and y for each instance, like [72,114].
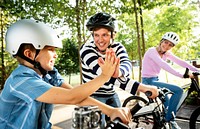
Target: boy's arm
[79,93]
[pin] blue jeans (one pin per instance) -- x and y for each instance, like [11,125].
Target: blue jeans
[171,102]
[112,101]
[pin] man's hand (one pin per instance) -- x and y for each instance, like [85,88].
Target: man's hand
[143,88]
[109,65]
[117,72]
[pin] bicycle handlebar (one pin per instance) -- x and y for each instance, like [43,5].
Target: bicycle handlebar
[196,73]
[162,93]
[117,123]
[186,74]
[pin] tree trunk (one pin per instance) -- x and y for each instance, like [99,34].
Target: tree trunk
[69,81]
[3,73]
[78,19]
[138,39]
[142,28]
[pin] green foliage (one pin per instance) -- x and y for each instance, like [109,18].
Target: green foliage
[179,19]
[67,62]
[10,64]
[192,99]
[159,16]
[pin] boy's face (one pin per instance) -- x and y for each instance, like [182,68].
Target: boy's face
[47,57]
[102,38]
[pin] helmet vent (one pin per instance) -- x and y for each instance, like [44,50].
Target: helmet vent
[175,38]
[172,37]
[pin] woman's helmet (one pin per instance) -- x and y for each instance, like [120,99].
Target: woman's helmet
[172,37]
[101,20]
[32,32]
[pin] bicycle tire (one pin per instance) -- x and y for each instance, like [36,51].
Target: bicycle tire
[194,123]
[140,120]
[147,120]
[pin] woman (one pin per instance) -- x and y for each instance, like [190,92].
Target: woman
[154,60]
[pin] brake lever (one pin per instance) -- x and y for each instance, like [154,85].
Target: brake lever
[186,74]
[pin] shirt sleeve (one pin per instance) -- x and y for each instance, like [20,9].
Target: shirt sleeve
[90,58]
[129,85]
[29,88]
[181,62]
[164,65]
[125,63]
[54,78]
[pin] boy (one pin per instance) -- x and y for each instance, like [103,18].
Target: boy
[31,89]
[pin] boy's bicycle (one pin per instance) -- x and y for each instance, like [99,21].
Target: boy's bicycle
[147,113]
[150,114]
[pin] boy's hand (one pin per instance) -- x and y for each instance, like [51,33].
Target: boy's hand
[122,113]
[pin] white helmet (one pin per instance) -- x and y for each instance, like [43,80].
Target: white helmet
[172,37]
[30,31]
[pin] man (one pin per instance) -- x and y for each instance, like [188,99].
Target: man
[102,27]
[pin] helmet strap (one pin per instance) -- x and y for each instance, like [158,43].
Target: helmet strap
[33,62]
[37,64]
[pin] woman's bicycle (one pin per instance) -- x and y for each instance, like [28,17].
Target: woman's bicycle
[195,116]
[150,114]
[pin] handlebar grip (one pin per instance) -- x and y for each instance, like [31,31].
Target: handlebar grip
[196,73]
[148,94]
[117,124]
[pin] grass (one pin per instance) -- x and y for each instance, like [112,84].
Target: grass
[164,76]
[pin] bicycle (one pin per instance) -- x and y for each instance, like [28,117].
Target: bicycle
[194,121]
[150,113]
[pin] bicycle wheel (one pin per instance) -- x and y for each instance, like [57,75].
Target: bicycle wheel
[195,119]
[140,119]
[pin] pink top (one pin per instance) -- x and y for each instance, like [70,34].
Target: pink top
[152,63]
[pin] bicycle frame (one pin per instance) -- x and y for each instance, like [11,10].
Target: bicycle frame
[153,111]
[193,86]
